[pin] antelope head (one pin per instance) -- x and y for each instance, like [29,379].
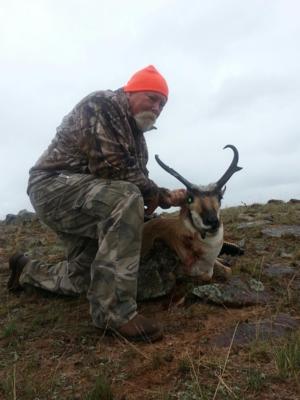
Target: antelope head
[201,209]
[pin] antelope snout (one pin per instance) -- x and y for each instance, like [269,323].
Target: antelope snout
[212,221]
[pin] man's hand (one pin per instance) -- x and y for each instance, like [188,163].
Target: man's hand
[178,197]
[151,204]
[171,198]
[165,199]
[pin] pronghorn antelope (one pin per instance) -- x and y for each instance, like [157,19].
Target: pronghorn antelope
[196,235]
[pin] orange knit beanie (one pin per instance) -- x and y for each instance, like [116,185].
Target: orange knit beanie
[147,79]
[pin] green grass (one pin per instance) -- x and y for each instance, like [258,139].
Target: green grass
[193,391]
[287,357]
[184,366]
[255,380]
[9,330]
[157,360]
[101,390]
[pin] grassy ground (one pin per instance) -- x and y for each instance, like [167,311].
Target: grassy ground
[50,350]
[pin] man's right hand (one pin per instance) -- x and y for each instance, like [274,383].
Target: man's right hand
[178,197]
[165,199]
[171,198]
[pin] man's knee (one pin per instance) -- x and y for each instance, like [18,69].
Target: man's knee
[127,187]
[104,197]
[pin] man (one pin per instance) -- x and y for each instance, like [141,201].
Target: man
[90,186]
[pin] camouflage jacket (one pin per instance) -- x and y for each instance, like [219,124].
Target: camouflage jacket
[99,137]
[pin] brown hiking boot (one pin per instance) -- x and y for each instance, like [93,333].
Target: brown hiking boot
[16,264]
[140,329]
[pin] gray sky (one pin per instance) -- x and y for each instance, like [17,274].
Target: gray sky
[232,67]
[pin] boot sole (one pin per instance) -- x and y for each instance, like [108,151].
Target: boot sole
[16,269]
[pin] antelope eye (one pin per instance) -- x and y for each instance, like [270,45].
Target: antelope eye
[190,200]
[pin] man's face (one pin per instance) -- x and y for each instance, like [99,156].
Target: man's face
[146,107]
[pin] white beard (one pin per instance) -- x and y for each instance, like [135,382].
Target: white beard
[145,120]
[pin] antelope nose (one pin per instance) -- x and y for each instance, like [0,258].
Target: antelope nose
[212,221]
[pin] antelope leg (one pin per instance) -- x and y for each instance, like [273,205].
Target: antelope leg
[221,271]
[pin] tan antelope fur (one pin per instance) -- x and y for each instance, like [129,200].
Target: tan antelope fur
[196,235]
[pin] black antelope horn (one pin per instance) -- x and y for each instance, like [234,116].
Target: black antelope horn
[171,171]
[233,167]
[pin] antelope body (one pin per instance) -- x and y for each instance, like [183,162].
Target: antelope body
[196,235]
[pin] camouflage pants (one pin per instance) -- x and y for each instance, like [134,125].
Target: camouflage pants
[100,223]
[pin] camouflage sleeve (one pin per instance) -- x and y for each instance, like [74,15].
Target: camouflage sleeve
[110,153]
[164,195]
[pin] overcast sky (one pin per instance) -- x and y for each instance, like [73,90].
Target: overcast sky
[232,67]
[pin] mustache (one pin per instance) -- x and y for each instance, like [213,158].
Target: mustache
[146,115]
[145,120]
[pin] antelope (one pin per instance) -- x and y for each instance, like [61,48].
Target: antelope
[196,234]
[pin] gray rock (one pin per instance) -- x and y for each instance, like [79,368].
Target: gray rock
[294,201]
[242,243]
[267,217]
[283,254]
[253,224]
[262,252]
[245,217]
[23,216]
[26,214]
[233,293]
[275,201]
[281,230]
[278,270]
[246,332]
[10,218]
